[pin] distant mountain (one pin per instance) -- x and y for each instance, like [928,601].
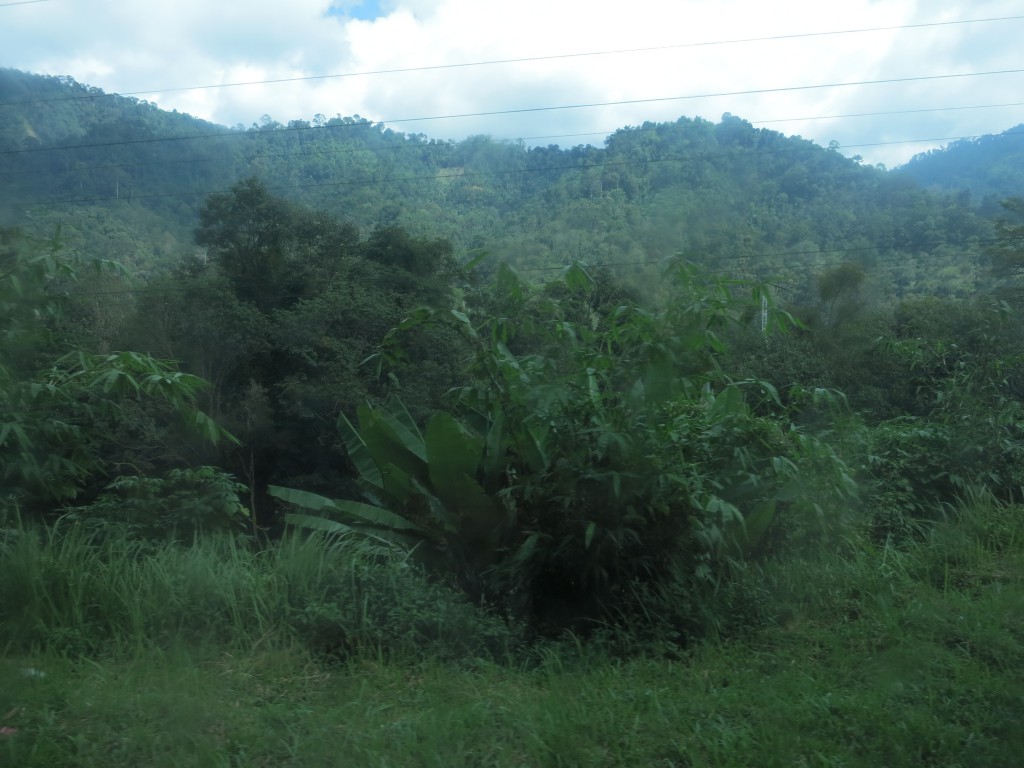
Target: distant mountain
[126,180]
[991,167]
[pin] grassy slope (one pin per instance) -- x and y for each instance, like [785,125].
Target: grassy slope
[876,657]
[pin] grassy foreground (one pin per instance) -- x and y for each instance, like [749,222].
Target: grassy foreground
[875,656]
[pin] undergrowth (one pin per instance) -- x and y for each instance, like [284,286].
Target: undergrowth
[72,591]
[894,653]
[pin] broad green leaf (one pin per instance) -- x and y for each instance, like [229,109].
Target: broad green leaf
[396,484]
[451,452]
[361,513]
[368,470]
[577,278]
[478,516]
[317,523]
[494,458]
[23,439]
[528,547]
[729,402]
[756,523]
[530,445]
[475,261]
[325,525]
[378,516]
[386,445]
[305,499]
[464,323]
[402,422]
[508,286]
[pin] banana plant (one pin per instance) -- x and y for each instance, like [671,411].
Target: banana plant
[423,490]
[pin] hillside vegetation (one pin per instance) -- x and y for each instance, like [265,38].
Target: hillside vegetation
[702,447]
[987,167]
[129,179]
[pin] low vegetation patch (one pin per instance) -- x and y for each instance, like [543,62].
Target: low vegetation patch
[211,654]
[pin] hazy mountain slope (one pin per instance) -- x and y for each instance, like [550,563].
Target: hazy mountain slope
[126,179]
[991,168]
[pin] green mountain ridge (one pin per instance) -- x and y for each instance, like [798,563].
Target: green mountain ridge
[989,167]
[126,180]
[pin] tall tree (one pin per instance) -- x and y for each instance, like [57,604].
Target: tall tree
[247,232]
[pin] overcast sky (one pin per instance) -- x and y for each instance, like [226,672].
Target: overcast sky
[584,52]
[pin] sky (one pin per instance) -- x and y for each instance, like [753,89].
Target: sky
[563,72]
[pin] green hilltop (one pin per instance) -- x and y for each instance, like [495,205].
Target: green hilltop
[127,180]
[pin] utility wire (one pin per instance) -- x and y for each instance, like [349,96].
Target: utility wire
[23,2]
[751,92]
[880,114]
[526,59]
[534,110]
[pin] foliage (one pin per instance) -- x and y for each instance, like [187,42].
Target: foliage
[59,411]
[76,589]
[986,168]
[747,200]
[1007,252]
[862,656]
[591,464]
[57,425]
[279,318]
[935,386]
[180,505]
[268,249]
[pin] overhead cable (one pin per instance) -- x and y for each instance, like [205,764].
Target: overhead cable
[524,59]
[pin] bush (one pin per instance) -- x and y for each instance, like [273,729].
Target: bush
[568,479]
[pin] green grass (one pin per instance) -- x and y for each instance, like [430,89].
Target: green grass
[866,657]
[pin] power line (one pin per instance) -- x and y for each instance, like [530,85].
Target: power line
[880,114]
[609,131]
[751,92]
[525,110]
[525,59]
[23,2]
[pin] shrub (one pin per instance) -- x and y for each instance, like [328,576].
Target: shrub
[567,476]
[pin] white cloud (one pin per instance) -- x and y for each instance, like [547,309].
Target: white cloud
[133,47]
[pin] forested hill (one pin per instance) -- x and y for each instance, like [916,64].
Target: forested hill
[991,168]
[126,180]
